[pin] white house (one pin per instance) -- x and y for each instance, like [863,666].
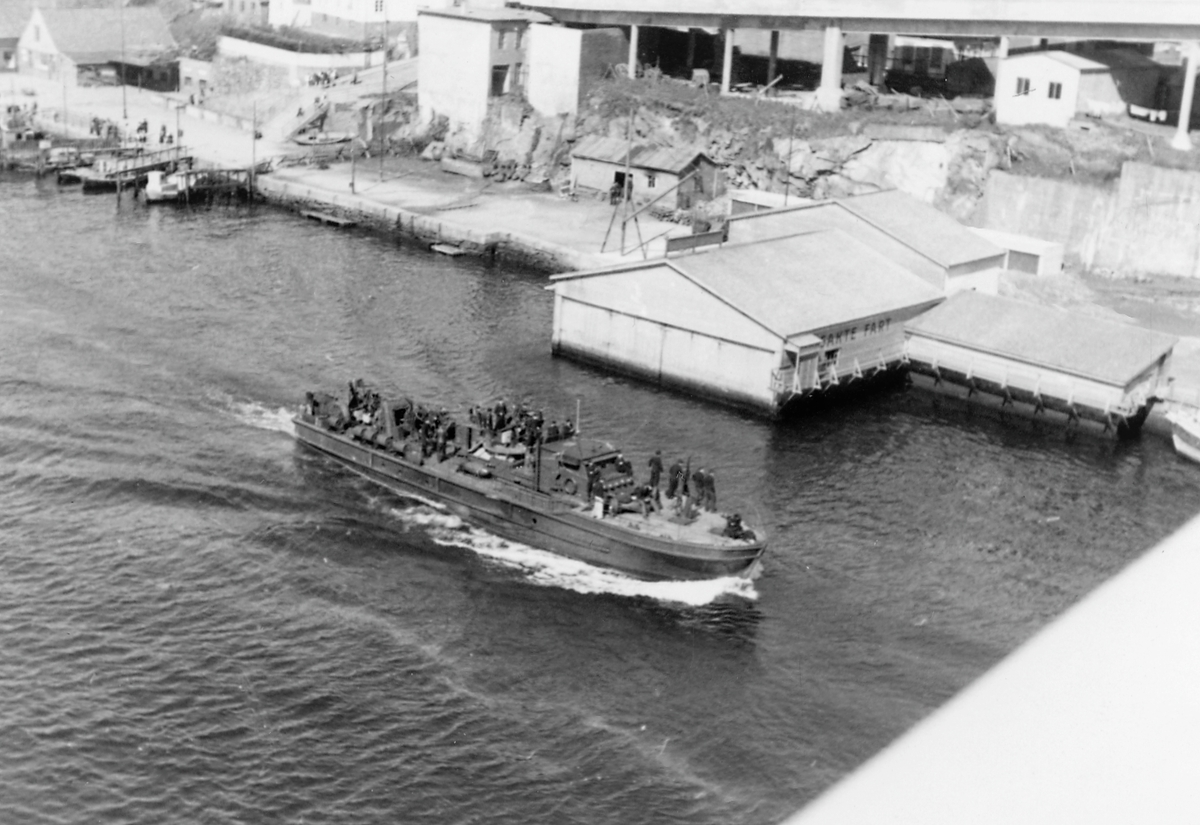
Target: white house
[69,45]
[1055,86]
[469,56]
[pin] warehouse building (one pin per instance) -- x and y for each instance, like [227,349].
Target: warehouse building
[753,324]
[913,234]
[1052,360]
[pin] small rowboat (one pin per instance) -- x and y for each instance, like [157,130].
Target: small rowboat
[1185,432]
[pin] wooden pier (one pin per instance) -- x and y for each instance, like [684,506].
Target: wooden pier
[125,170]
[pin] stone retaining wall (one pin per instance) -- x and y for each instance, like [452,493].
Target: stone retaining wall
[1145,225]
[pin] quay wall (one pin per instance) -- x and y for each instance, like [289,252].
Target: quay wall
[428,229]
[1145,224]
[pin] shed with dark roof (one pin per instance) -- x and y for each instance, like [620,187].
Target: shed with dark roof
[754,324]
[606,164]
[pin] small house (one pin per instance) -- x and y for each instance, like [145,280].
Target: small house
[606,164]
[74,45]
[1055,86]
[754,324]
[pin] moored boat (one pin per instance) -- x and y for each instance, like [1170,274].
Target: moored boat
[161,186]
[550,488]
[1185,432]
[322,138]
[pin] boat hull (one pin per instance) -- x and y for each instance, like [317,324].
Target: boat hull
[536,519]
[1185,433]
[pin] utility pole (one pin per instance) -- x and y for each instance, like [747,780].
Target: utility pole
[787,179]
[253,151]
[383,98]
[124,102]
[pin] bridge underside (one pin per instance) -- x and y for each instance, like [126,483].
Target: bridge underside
[1098,19]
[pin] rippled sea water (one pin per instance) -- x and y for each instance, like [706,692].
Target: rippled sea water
[203,622]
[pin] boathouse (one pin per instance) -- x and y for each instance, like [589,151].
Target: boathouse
[1048,358]
[753,324]
[913,234]
[601,163]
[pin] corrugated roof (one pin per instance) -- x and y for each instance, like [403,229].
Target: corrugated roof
[1106,351]
[88,33]
[805,282]
[612,150]
[599,147]
[920,226]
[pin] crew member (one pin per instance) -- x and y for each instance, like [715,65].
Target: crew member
[710,492]
[656,469]
[673,476]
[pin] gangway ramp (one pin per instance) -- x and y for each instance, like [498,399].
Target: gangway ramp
[1050,359]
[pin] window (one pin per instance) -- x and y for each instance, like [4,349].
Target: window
[37,33]
[935,60]
[1055,92]
[1022,86]
[379,6]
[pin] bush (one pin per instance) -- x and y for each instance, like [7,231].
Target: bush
[293,39]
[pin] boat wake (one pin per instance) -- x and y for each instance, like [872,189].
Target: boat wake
[256,415]
[550,570]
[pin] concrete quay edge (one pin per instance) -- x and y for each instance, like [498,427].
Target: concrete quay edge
[389,219]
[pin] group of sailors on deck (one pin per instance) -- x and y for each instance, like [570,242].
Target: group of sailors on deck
[520,426]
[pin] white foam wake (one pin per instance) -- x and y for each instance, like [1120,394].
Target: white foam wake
[256,415]
[551,570]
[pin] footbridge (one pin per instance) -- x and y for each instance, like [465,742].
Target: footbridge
[1172,20]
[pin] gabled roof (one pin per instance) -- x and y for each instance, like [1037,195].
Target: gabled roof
[1106,351]
[613,150]
[95,35]
[794,285]
[1095,61]
[922,227]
